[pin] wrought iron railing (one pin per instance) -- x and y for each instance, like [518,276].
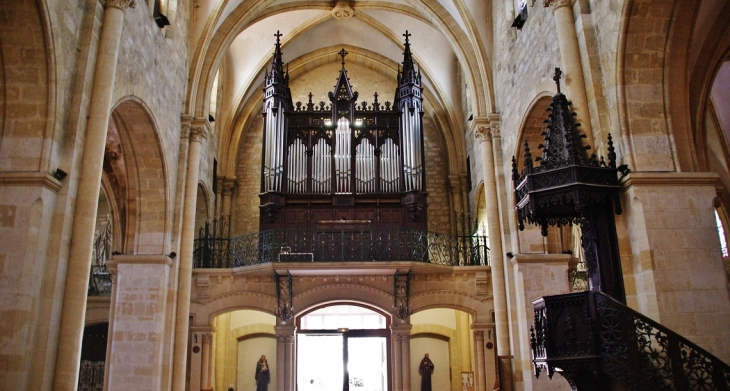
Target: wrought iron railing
[100,282]
[339,245]
[589,332]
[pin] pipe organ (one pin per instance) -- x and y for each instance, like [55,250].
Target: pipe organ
[357,164]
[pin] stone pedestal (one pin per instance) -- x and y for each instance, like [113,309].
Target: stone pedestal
[137,325]
[675,254]
[535,275]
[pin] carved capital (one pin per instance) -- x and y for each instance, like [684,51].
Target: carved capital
[207,338]
[557,3]
[494,129]
[342,10]
[229,185]
[185,122]
[479,335]
[486,128]
[121,4]
[482,133]
[198,133]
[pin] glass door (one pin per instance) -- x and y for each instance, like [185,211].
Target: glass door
[367,361]
[343,347]
[320,362]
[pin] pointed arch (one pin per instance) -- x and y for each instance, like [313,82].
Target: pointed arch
[146,194]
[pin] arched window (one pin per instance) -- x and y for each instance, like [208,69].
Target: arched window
[721,234]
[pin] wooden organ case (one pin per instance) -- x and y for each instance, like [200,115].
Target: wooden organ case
[344,165]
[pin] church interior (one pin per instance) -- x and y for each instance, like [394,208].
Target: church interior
[375,195]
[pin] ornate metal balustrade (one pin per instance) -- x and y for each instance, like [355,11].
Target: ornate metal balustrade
[339,245]
[100,282]
[588,334]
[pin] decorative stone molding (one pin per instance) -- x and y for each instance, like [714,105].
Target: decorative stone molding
[40,179]
[202,284]
[669,179]
[121,4]
[134,259]
[557,3]
[342,10]
[519,259]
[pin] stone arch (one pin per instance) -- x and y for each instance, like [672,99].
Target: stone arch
[479,309]
[664,74]
[342,292]
[204,311]
[145,179]
[26,71]
[531,126]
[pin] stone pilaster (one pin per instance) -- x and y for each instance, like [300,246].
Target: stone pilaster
[285,357]
[137,324]
[405,348]
[199,131]
[79,265]
[479,370]
[675,256]
[401,340]
[572,64]
[207,362]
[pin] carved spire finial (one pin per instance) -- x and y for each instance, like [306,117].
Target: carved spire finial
[557,77]
[342,53]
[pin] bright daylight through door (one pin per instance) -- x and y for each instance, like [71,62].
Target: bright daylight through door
[341,345]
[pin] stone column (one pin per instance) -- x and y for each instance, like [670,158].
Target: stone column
[397,361]
[199,131]
[285,370]
[205,383]
[79,260]
[229,186]
[485,129]
[137,323]
[479,375]
[572,65]
[218,196]
[455,186]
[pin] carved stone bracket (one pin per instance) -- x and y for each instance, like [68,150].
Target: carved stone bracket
[342,10]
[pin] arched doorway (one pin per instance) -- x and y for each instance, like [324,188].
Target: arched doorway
[343,346]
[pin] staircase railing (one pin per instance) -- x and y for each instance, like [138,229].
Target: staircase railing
[587,333]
